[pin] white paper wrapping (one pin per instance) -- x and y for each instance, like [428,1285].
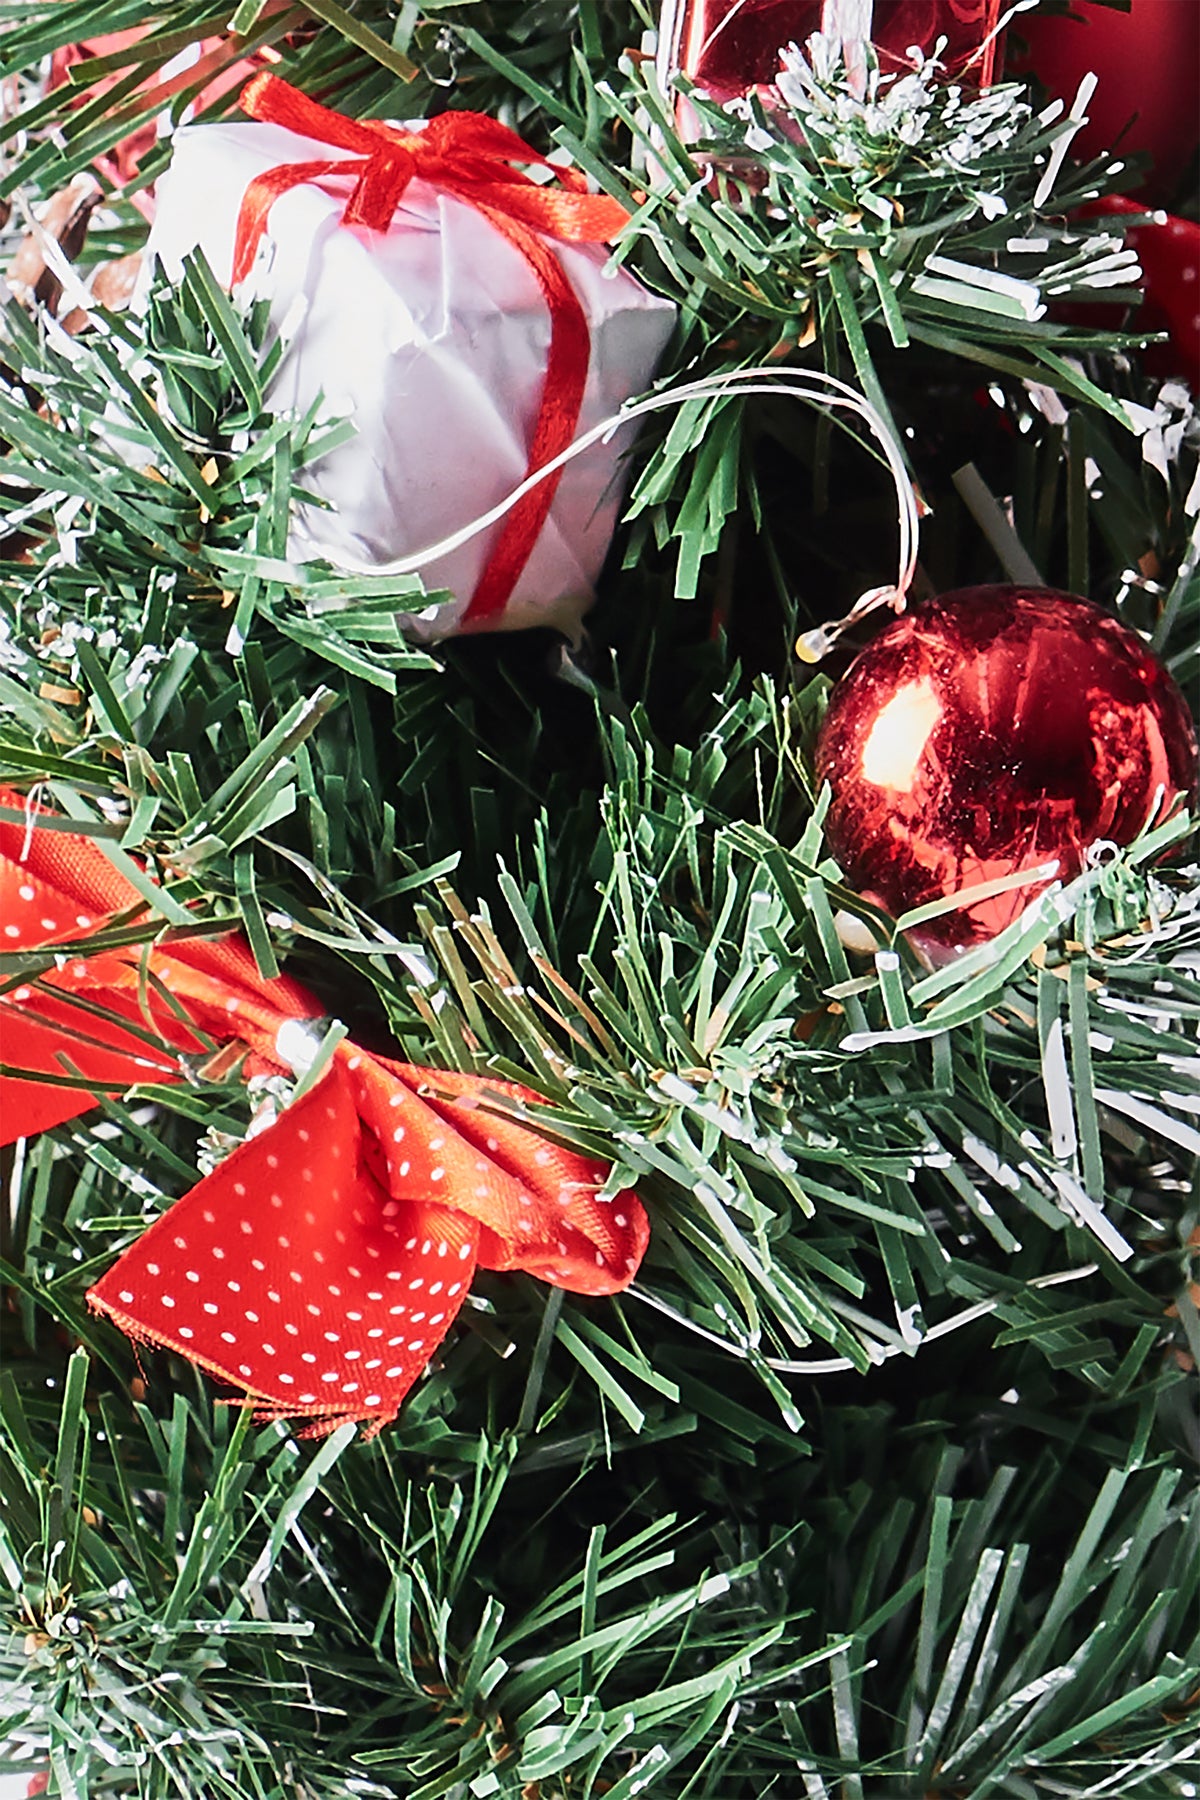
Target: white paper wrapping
[432,337]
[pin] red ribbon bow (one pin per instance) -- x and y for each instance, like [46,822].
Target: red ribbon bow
[470,157]
[322,1263]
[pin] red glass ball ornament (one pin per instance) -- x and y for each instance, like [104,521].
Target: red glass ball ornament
[1169,252]
[989,731]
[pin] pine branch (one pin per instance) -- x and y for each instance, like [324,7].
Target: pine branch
[661,948]
[973,1626]
[366,60]
[910,1358]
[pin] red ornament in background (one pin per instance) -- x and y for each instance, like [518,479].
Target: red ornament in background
[990,731]
[728,47]
[320,1265]
[1146,60]
[1169,252]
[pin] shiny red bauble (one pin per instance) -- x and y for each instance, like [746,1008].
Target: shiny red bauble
[990,731]
[728,47]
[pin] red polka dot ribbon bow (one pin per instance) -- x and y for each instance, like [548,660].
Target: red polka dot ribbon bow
[322,1263]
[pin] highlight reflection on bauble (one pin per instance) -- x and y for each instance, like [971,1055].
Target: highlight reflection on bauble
[993,730]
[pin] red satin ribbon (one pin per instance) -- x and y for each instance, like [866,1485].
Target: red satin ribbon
[322,1263]
[470,157]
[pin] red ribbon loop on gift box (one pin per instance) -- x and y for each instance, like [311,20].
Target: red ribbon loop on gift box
[470,157]
[321,1264]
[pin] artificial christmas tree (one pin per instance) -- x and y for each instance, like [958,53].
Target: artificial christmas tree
[875,1478]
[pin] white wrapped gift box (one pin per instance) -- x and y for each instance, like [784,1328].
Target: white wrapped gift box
[432,336]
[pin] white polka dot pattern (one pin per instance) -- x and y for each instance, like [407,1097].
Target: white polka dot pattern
[321,1265]
[293,1326]
[40,1026]
[337,1258]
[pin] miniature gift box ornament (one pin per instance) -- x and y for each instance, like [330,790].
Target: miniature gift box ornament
[727,48]
[458,311]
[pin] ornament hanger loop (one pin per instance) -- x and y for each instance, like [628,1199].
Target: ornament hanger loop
[825,392]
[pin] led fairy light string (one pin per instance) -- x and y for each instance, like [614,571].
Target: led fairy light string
[823,391]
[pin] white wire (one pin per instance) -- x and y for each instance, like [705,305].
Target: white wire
[823,391]
[836,1365]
